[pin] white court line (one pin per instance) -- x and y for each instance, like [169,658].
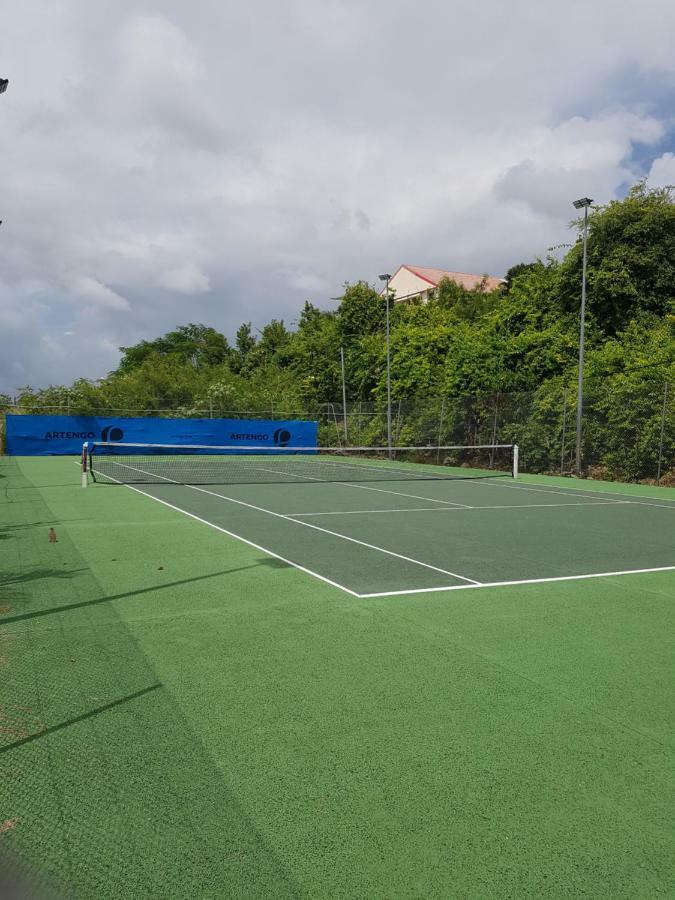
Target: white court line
[337,534]
[356,512]
[366,487]
[409,473]
[472,585]
[277,515]
[492,584]
[238,537]
[565,492]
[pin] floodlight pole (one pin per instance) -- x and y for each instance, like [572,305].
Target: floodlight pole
[344,392]
[584,203]
[387,279]
[3,87]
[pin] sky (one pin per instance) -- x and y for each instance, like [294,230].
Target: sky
[221,162]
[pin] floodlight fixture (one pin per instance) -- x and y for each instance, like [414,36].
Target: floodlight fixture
[3,85]
[384,277]
[580,204]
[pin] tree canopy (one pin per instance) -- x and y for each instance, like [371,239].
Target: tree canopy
[197,345]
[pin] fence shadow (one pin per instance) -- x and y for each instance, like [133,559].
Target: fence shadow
[9,579]
[6,531]
[81,718]
[270,562]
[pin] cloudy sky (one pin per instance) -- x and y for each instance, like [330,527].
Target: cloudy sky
[221,161]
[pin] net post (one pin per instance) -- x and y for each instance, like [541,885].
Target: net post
[85,456]
[515,460]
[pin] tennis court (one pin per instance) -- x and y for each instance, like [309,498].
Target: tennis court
[232,688]
[374,527]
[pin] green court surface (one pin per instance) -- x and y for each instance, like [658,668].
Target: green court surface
[401,689]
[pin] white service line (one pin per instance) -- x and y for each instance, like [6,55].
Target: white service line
[356,512]
[277,515]
[493,584]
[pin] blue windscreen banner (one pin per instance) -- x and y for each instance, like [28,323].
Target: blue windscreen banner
[63,435]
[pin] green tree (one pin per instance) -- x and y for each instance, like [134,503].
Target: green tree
[515,272]
[198,345]
[631,259]
[313,355]
[244,343]
[274,339]
[361,312]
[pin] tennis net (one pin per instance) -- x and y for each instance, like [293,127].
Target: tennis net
[125,463]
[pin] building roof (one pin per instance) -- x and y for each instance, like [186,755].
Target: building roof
[468,281]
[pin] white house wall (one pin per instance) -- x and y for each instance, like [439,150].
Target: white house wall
[405,283]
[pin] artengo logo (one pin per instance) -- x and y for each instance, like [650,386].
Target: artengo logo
[111,433]
[65,435]
[249,437]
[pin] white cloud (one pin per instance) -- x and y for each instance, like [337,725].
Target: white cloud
[662,172]
[248,157]
[186,279]
[93,291]
[152,48]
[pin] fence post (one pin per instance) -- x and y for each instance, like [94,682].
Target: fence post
[440,430]
[344,393]
[564,435]
[494,433]
[398,421]
[663,431]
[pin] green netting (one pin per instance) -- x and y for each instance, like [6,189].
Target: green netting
[104,789]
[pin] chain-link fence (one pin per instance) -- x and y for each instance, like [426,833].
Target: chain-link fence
[628,428]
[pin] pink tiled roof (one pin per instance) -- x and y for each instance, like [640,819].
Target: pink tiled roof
[435,276]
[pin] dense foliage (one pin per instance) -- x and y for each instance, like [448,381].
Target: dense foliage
[513,350]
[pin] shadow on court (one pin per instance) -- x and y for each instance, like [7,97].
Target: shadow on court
[9,579]
[8,531]
[45,573]
[81,718]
